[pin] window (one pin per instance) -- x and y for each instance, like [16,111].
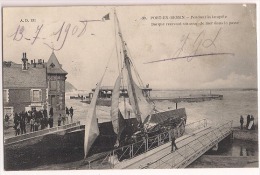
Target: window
[6,95]
[36,95]
[53,85]
[9,111]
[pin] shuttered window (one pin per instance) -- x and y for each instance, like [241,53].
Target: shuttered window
[36,95]
[53,85]
[6,95]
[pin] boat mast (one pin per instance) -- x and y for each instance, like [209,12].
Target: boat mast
[127,64]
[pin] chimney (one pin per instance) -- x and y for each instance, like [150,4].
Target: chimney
[34,64]
[39,61]
[24,62]
[31,62]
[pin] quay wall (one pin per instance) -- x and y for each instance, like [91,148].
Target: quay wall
[250,135]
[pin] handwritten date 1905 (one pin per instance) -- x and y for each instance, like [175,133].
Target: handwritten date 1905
[59,36]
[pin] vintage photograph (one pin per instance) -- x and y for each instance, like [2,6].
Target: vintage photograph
[129,87]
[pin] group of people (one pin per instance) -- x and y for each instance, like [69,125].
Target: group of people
[65,119]
[249,122]
[34,118]
[37,120]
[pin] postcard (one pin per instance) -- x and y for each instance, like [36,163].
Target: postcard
[130,87]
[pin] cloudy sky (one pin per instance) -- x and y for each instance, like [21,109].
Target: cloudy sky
[84,48]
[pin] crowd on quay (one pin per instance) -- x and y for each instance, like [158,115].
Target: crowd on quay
[37,120]
[250,125]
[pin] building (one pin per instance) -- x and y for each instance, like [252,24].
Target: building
[56,77]
[24,86]
[30,86]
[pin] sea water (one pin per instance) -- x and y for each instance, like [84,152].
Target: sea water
[234,104]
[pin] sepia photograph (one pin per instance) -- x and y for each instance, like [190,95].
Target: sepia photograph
[101,87]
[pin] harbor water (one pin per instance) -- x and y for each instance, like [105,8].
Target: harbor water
[234,104]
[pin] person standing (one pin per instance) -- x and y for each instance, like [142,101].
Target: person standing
[51,122]
[51,112]
[173,144]
[71,114]
[67,111]
[59,120]
[23,126]
[241,122]
[36,125]
[7,120]
[252,119]
[63,118]
[247,121]
[32,121]
[17,129]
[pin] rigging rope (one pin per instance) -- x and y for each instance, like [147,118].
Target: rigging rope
[119,63]
[134,68]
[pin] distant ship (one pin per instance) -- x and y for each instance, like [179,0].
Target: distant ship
[105,95]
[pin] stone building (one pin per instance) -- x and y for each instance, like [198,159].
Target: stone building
[30,86]
[24,86]
[56,77]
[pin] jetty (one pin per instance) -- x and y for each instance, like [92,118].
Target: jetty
[191,98]
[198,139]
[106,101]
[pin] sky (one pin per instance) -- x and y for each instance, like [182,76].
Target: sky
[152,33]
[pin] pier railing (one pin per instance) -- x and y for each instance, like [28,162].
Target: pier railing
[190,127]
[192,150]
[39,133]
[127,152]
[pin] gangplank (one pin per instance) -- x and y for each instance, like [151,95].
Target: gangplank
[155,153]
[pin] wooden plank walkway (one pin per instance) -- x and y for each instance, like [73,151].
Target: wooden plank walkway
[31,135]
[190,147]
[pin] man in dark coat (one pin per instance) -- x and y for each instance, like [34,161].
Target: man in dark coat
[67,111]
[45,113]
[71,113]
[51,112]
[241,122]
[173,144]
[247,121]
[51,122]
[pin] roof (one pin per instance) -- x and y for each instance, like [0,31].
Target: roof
[15,77]
[161,117]
[53,65]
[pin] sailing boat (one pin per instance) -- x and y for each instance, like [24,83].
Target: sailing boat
[132,117]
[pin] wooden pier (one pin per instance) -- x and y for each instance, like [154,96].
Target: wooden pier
[191,146]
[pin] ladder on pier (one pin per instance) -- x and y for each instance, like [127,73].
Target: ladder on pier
[156,153]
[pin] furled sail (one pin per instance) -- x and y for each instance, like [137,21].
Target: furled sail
[114,103]
[91,126]
[145,108]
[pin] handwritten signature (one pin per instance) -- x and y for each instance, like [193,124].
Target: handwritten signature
[61,35]
[194,43]
[197,42]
